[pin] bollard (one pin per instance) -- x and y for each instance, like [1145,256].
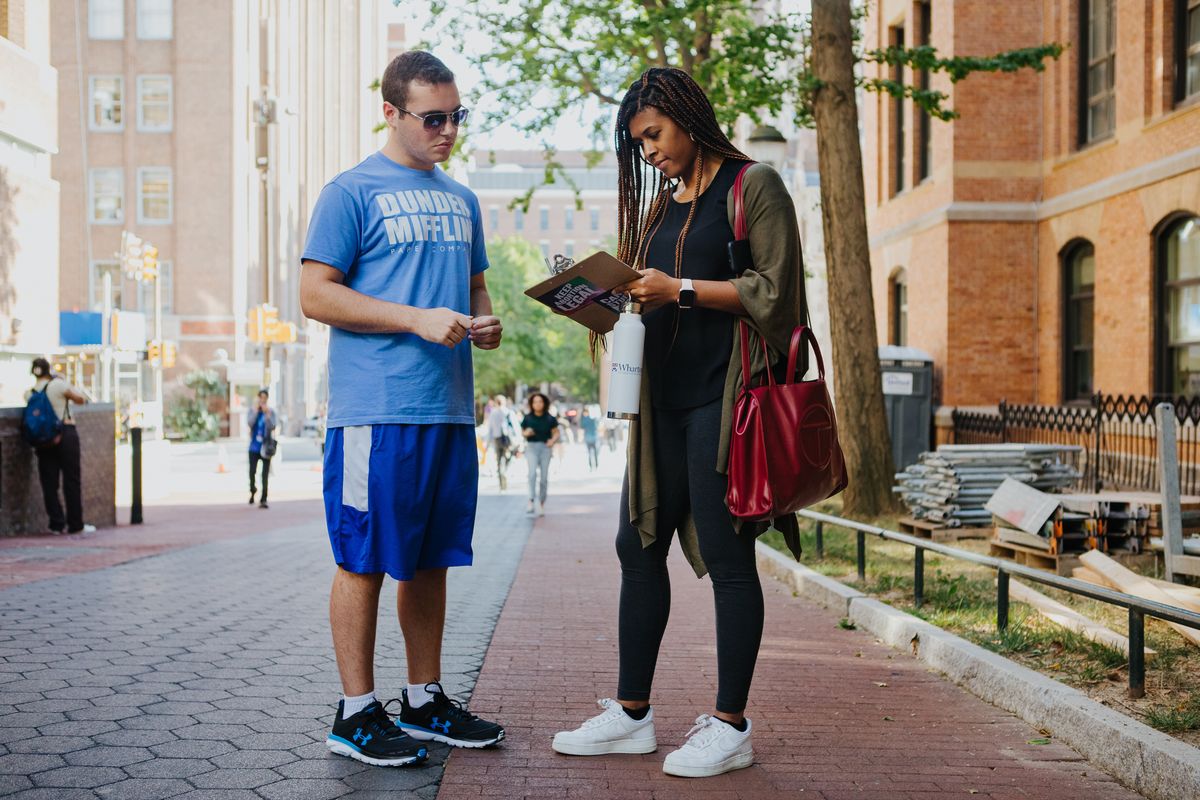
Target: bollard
[135,447]
[820,540]
[918,577]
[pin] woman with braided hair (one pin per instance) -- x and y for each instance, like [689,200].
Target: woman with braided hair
[677,171]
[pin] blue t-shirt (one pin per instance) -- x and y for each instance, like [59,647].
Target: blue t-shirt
[407,236]
[589,428]
[260,432]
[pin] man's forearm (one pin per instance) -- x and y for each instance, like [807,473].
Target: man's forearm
[481,302]
[342,307]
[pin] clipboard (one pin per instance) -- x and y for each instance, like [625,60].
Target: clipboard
[584,291]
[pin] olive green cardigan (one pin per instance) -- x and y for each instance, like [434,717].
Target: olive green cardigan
[772,292]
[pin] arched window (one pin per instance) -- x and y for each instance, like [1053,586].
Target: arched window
[898,308]
[1079,291]
[1178,254]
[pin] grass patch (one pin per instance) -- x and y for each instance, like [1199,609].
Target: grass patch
[961,597]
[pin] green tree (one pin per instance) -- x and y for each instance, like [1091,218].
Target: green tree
[547,59]
[191,414]
[538,345]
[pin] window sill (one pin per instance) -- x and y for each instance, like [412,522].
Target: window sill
[1086,151]
[1181,108]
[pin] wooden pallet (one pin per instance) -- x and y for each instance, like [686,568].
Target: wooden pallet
[1058,563]
[935,532]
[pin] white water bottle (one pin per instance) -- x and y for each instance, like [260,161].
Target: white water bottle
[625,375]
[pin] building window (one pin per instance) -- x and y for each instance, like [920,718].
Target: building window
[545,249]
[518,219]
[1079,291]
[1187,49]
[544,218]
[106,19]
[570,250]
[96,283]
[106,93]
[925,123]
[154,195]
[1098,65]
[493,218]
[154,19]
[898,308]
[569,218]
[106,195]
[154,103]
[899,162]
[166,276]
[595,214]
[1178,247]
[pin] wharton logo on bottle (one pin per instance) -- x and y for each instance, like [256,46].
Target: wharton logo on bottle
[621,368]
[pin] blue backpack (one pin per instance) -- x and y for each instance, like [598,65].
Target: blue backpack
[40,425]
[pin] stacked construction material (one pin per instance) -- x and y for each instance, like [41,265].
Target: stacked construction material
[1118,524]
[951,485]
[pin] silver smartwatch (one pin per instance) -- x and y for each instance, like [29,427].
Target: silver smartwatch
[687,293]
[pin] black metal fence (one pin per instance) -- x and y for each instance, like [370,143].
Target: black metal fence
[1118,435]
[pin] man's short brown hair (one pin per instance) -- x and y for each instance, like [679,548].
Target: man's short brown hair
[414,65]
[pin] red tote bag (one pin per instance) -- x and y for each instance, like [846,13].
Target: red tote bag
[784,453]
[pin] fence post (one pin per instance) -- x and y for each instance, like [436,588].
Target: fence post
[1168,481]
[135,449]
[1098,406]
[1001,601]
[1137,653]
[1004,421]
[862,556]
[919,577]
[820,540]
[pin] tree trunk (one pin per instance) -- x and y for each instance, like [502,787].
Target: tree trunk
[862,419]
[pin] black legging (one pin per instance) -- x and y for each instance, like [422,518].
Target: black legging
[688,439]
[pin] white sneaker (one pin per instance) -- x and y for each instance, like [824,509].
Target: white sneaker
[613,731]
[712,748]
[541,509]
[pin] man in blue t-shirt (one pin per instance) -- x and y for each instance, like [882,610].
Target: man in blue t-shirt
[394,265]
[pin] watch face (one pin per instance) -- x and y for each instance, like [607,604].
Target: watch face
[686,298]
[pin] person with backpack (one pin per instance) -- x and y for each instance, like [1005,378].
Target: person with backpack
[261,421]
[48,427]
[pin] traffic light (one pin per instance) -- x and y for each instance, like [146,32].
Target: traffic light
[149,262]
[153,351]
[270,322]
[263,326]
[169,351]
[254,324]
[132,254]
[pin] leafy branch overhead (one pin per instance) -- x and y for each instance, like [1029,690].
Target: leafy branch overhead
[548,60]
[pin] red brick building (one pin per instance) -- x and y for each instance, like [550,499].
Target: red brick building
[1046,244]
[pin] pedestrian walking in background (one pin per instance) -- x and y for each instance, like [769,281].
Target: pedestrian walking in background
[591,438]
[500,430]
[58,453]
[540,429]
[403,291]
[261,421]
[678,446]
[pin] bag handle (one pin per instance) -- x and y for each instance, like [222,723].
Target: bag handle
[744,330]
[803,335]
[740,229]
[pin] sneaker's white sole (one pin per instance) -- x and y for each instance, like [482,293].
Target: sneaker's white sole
[739,761]
[622,746]
[426,736]
[342,749]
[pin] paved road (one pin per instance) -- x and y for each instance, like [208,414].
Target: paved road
[207,673]
[838,716]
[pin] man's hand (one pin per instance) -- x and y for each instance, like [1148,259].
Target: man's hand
[653,289]
[486,332]
[442,326]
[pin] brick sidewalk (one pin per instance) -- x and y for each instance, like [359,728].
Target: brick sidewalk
[837,715]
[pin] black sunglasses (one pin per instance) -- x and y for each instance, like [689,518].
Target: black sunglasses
[437,119]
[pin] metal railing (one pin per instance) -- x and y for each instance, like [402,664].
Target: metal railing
[1117,434]
[1139,608]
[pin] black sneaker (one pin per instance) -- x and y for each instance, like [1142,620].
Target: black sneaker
[371,737]
[446,720]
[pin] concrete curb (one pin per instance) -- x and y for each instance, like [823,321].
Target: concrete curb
[1147,761]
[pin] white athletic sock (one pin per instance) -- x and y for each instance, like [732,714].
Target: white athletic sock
[353,705]
[418,695]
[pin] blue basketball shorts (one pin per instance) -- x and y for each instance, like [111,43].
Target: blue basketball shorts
[401,498]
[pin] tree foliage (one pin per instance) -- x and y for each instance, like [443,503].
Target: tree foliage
[539,345]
